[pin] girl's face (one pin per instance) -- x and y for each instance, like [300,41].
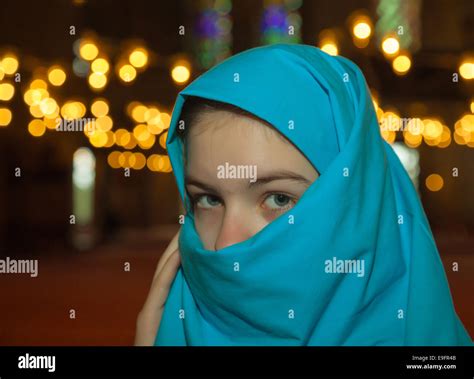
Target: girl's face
[240,176]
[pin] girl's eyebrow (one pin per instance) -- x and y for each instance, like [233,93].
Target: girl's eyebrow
[280,175]
[267,178]
[191,181]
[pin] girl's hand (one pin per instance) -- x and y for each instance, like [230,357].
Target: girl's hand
[149,318]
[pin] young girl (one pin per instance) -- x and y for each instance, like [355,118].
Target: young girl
[301,225]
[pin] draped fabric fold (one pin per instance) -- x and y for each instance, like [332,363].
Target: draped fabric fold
[362,210]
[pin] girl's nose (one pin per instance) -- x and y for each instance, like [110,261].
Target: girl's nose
[237,226]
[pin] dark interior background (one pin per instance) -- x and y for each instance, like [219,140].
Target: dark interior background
[134,217]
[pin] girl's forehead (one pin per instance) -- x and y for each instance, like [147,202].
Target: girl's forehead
[219,139]
[226,123]
[242,144]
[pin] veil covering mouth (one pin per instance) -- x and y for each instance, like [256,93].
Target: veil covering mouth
[362,208]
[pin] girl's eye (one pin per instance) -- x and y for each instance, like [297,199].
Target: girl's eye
[207,201]
[279,201]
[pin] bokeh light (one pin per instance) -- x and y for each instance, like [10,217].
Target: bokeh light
[36,128]
[56,76]
[97,80]
[466,69]
[99,108]
[138,112]
[9,64]
[401,64]
[390,46]
[434,182]
[7,90]
[138,57]
[88,50]
[180,73]
[73,110]
[5,116]
[104,123]
[127,73]
[100,65]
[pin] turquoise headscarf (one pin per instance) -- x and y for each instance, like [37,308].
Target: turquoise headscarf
[283,286]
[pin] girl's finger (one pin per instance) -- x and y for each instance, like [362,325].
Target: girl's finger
[161,284]
[169,250]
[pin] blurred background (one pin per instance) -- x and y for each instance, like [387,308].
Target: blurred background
[87,88]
